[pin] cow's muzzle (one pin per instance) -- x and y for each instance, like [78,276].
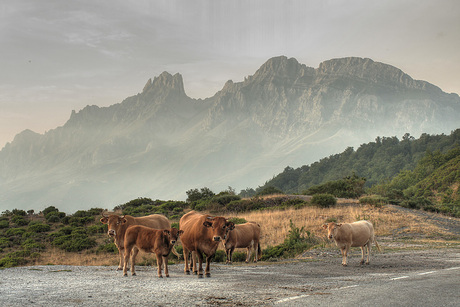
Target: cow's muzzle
[330,236]
[216,238]
[173,241]
[111,233]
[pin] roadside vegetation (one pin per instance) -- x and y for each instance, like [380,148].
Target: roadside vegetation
[425,174]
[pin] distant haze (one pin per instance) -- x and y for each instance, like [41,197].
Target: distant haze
[58,56]
[161,142]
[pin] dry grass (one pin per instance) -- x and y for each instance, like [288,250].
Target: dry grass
[390,225]
[387,221]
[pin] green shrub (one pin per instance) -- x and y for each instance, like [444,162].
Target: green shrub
[298,241]
[237,220]
[110,248]
[270,190]
[4,224]
[39,227]
[324,200]
[19,220]
[5,242]
[374,200]
[239,256]
[15,232]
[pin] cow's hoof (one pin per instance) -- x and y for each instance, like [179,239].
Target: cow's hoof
[187,272]
[195,273]
[344,264]
[119,269]
[200,275]
[208,274]
[160,276]
[167,275]
[125,275]
[367,263]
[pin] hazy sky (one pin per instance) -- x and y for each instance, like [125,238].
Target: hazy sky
[56,56]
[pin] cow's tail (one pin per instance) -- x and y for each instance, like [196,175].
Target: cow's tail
[377,245]
[259,252]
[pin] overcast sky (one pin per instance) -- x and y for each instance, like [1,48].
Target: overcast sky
[57,56]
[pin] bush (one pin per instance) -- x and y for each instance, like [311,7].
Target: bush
[298,241]
[39,227]
[324,200]
[374,200]
[19,220]
[4,224]
[237,220]
[110,248]
[269,191]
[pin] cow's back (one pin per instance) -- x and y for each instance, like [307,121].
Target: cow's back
[156,221]
[243,234]
[361,233]
[192,226]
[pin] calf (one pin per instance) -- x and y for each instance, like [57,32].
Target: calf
[244,236]
[117,225]
[202,234]
[158,241]
[355,234]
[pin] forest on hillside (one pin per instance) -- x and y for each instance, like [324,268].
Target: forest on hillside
[377,161]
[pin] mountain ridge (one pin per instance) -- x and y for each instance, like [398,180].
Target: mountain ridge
[162,142]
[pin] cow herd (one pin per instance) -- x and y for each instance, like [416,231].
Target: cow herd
[201,235]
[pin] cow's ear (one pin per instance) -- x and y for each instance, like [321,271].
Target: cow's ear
[325,226]
[180,232]
[123,221]
[166,232]
[207,224]
[104,220]
[231,225]
[339,224]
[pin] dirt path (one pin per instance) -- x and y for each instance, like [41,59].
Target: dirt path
[447,223]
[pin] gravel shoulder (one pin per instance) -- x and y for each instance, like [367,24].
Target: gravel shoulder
[230,285]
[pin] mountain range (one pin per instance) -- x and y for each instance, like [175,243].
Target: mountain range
[161,143]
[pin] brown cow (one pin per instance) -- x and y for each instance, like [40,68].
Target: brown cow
[202,234]
[149,240]
[118,224]
[245,235]
[355,234]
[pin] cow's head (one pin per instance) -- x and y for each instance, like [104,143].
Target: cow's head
[174,235]
[219,226]
[114,223]
[332,229]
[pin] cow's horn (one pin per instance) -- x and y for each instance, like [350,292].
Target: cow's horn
[122,216]
[103,214]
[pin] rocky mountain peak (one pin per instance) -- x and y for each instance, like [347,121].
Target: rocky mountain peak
[165,82]
[282,67]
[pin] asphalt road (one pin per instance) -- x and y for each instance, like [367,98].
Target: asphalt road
[408,278]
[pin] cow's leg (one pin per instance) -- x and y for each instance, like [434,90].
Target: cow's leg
[186,254]
[369,246]
[133,260]
[248,254]
[165,261]
[229,259]
[362,255]
[208,268]
[256,251]
[159,264]
[199,254]
[345,254]
[194,259]
[121,253]
[230,255]
[126,259]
